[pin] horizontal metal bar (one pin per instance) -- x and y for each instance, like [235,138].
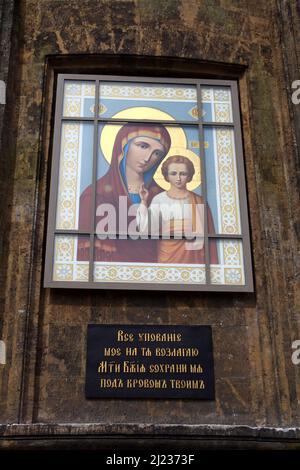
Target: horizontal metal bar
[113,121]
[117,121]
[149,121]
[148,286]
[71,232]
[77,118]
[150,80]
[129,79]
[156,237]
[217,124]
[225,235]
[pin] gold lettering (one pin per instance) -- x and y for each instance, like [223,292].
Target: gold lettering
[168,368]
[187,384]
[111,383]
[114,367]
[160,337]
[122,336]
[146,383]
[146,352]
[196,369]
[105,367]
[131,352]
[133,367]
[112,352]
[176,352]
[102,368]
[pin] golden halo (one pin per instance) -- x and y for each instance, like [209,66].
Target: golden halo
[195,159]
[109,131]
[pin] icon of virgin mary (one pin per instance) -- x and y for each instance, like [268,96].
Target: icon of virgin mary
[137,152]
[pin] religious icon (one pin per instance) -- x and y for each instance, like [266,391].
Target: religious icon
[181,213]
[138,155]
[137,152]
[138,212]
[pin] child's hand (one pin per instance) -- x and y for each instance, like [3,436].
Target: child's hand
[144,194]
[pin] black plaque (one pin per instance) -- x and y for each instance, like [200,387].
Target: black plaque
[149,361]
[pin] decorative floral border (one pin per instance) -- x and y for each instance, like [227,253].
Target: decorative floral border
[74,96]
[69,176]
[226,178]
[66,267]
[141,273]
[221,104]
[148,92]
[231,267]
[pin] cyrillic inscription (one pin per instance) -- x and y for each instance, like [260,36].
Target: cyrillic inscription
[150,362]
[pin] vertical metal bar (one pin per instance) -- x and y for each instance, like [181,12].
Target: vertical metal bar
[242,187]
[204,190]
[54,181]
[94,183]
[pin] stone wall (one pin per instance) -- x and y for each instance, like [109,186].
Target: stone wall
[45,330]
[8,64]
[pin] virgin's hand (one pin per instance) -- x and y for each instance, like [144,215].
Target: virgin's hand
[144,194]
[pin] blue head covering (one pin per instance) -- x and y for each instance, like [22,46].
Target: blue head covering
[148,175]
